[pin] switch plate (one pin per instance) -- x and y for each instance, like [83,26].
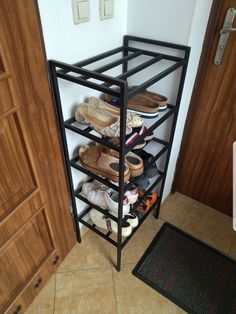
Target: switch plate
[81,11]
[106,9]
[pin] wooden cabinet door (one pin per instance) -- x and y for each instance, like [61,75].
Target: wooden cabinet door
[36,230]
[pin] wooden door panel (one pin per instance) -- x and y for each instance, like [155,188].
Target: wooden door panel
[5,97]
[24,255]
[30,291]
[34,199]
[19,216]
[205,168]
[19,180]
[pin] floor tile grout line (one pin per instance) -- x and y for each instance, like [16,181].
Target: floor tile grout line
[114,288]
[82,269]
[54,299]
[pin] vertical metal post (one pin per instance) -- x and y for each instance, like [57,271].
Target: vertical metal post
[125,53]
[123,109]
[178,100]
[59,112]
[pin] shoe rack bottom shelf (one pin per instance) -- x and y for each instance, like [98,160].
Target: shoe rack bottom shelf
[107,235]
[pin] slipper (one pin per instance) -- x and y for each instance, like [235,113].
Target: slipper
[143,105]
[134,162]
[94,159]
[158,98]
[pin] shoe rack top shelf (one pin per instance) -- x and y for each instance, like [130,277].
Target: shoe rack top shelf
[76,73]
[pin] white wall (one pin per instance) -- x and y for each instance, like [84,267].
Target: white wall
[183,22]
[71,43]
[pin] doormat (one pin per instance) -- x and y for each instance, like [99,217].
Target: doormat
[193,275]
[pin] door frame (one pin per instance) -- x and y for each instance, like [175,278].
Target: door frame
[207,45]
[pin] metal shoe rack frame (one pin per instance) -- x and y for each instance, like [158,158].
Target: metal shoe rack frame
[76,73]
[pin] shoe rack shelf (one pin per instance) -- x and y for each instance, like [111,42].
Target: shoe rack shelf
[76,73]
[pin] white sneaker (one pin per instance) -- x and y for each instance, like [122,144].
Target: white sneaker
[132,220]
[104,197]
[101,221]
[132,194]
[95,193]
[112,200]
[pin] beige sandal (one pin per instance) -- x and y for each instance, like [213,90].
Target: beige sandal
[134,162]
[95,159]
[102,122]
[132,119]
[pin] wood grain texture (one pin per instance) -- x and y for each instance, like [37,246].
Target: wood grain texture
[35,221]
[21,35]
[205,168]
[22,258]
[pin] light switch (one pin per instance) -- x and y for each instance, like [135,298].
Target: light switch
[81,11]
[106,9]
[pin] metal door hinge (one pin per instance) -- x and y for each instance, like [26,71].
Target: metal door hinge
[224,35]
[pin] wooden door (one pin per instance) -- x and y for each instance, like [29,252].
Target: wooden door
[205,168]
[36,230]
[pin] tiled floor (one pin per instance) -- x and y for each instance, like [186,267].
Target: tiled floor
[86,282]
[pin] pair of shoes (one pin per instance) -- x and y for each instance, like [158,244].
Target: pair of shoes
[134,162]
[104,222]
[106,198]
[105,162]
[96,159]
[105,118]
[147,104]
[149,200]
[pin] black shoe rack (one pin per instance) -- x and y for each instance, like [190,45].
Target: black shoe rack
[78,74]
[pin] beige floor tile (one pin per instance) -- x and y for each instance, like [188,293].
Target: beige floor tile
[44,302]
[170,213]
[133,251]
[157,223]
[92,252]
[199,220]
[134,297]
[217,230]
[86,291]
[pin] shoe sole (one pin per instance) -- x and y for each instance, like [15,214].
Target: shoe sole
[104,174]
[144,114]
[136,172]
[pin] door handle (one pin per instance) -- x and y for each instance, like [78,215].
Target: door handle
[224,35]
[227,30]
